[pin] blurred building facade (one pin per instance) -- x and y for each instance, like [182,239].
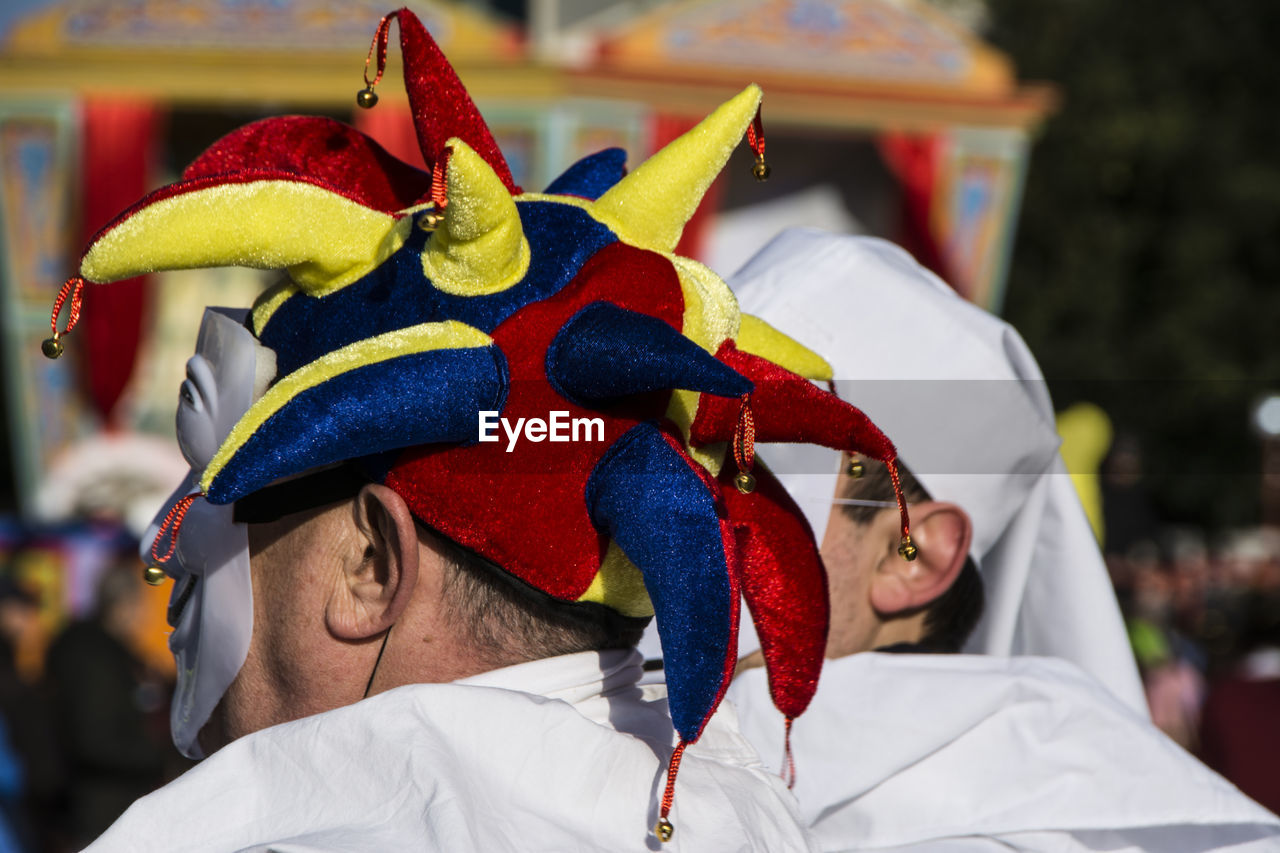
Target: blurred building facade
[882,115]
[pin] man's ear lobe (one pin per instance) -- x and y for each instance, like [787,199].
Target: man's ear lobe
[379,569]
[942,532]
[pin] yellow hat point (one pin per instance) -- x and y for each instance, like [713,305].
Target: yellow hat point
[479,246]
[650,207]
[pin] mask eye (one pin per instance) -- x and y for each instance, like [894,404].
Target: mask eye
[189,395]
[200,390]
[178,602]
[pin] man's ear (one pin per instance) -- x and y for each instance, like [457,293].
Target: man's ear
[941,532]
[380,570]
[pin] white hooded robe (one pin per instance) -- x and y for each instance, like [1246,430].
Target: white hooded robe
[563,754]
[997,750]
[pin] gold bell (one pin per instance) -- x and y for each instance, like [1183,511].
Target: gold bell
[153,576]
[745,482]
[431,221]
[366,98]
[664,830]
[51,347]
[907,549]
[761,170]
[856,469]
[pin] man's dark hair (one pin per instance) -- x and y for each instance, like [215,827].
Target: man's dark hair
[509,621]
[952,616]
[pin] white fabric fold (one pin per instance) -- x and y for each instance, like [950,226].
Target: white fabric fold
[961,397]
[1030,753]
[562,754]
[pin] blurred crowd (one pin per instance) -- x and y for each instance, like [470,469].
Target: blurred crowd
[1203,614]
[84,727]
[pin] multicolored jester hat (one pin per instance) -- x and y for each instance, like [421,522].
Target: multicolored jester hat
[417,300]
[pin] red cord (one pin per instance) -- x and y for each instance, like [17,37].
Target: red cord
[673,767]
[380,46]
[788,756]
[172,522]
[744,436]
[755,135]
[440,180]
[902,501]
[74,288]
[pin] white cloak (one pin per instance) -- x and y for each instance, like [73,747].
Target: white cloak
[562,754]
[975,752]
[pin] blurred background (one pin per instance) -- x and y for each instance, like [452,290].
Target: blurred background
[1103,175]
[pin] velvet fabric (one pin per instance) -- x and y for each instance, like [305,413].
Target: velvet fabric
[317,149]
[605,352]
[591,176]
[442,107]
[651,206]
[789,608]
[397,294]
[662,509]
[568,307]
[430,396]
[468,493]
[324,240]
[479,248]
[788,408]
[206,182]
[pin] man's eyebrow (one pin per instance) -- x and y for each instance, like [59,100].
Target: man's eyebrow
[863,502]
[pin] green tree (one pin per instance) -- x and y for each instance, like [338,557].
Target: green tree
[1146,272]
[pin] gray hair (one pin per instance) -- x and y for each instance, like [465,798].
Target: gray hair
[507,621]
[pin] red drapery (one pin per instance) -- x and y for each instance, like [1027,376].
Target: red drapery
[391,126]
[117,158]
[916,160]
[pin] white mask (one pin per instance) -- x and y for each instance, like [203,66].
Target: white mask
[211,608]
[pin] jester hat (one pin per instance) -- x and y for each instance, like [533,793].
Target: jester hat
[417,301]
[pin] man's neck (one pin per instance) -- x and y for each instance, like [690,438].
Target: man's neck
[879,632]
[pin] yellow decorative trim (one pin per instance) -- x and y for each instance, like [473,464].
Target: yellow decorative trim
[264,307]
[324,240]
[620,585]
[711,313]
[759,338]
[649,207]
[572,201]
[710,318]
[417,208]
[449,334]
[312,278]
[711,457]
[480,248]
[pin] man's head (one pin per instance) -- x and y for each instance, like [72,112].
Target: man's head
[331,582]
[970,415]
[210,608]
[932,602]
[535,377]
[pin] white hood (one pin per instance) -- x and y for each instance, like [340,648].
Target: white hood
[961,397]
[907,749]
